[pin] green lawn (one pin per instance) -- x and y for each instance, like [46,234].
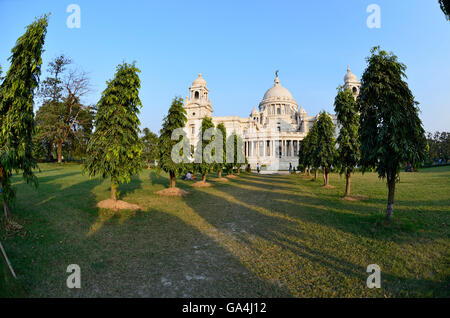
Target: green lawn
[255,236]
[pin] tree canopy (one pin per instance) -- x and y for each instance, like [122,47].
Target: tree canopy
[17,125]
[391,131]
[115,147]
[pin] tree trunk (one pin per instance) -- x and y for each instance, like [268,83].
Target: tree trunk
[309,171]
[347,183]
[220,173]
[3,176]
[172,179]
[327,176]
[6,209]
[204,177]
[59,152]
[324,176]
[390,204]
[315,174]
[114,191]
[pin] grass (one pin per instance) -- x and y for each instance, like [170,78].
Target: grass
[254,236]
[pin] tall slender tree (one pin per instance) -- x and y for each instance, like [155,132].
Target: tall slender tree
[220,166]
[204,163]
[17,125]
[391,131]
[115,148]
[239,155]
[348,153]
[325,149]
[312,149]
[175,119]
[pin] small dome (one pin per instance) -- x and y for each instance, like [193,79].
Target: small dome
[254,111]
[350,77]
[302,110]
[278,92]
[199,81]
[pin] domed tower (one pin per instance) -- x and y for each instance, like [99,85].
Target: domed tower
[198,104]
[351,82]
[278,103]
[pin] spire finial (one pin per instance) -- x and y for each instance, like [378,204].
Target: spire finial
[276,81]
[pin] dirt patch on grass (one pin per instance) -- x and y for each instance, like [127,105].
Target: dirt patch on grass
[232,176]
[117,205]
[356,197]
[328,187]
[175,192]
[220,180]
[201,184]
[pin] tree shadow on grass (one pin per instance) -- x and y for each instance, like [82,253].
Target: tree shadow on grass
[284,240]
[55,218]
[361,218]
[131,187]
[158,254]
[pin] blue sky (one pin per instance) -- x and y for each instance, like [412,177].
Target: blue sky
[238,45]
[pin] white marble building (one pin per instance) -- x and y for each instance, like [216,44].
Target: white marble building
[271,133]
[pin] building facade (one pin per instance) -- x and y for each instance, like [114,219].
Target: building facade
[272,132]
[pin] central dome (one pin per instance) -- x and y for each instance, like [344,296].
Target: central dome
[278,92]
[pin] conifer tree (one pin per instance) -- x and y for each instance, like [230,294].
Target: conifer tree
[114,150]
[204,162]
[17,125]
[348,152]
[311,150]
[325,148]
[220,166]
[175,119]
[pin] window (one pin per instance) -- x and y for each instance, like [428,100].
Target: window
[192,129]
[355,90]
[196,95]
[278,110]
